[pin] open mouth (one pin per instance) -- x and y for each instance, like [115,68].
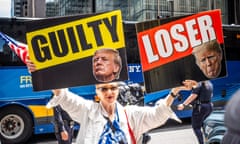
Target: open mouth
[110,97]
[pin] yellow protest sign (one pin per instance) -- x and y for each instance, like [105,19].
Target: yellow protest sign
[74,40]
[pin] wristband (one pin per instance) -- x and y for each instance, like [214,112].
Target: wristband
[184,105]
[173,95]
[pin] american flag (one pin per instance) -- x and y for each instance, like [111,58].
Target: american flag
[19,48]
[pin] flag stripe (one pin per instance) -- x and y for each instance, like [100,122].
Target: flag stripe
[19,48]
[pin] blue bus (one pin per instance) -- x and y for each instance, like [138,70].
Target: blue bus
[23,112]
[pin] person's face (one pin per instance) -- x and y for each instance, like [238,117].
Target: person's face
[107,93]
[104,66]
[209,62]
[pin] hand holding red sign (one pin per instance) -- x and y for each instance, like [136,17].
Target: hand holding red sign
[189,47]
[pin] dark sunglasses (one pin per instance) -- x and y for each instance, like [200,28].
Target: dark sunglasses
[105,89]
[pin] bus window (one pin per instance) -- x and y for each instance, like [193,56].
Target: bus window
[131,42]
[232,41]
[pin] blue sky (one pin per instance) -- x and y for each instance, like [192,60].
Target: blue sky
[5,8]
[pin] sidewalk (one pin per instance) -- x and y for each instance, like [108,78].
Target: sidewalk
[181,136]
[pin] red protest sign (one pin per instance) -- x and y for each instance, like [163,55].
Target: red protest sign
[174,40]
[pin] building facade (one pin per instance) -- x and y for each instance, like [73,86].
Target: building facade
[69,7]
[132,10]
[52,9]
[140,10]
[29,8]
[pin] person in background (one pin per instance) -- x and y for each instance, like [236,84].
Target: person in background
[200,99]
[232,120]
[107,64]
[63,126]
[209,57]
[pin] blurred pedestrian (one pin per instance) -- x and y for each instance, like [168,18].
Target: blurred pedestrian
[63,126]
[200,99]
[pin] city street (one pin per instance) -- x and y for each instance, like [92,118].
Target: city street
[184,135]
[171,133]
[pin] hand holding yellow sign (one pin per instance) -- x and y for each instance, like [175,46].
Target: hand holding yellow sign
[63,48]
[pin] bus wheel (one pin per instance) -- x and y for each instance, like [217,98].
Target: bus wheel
[16,125]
